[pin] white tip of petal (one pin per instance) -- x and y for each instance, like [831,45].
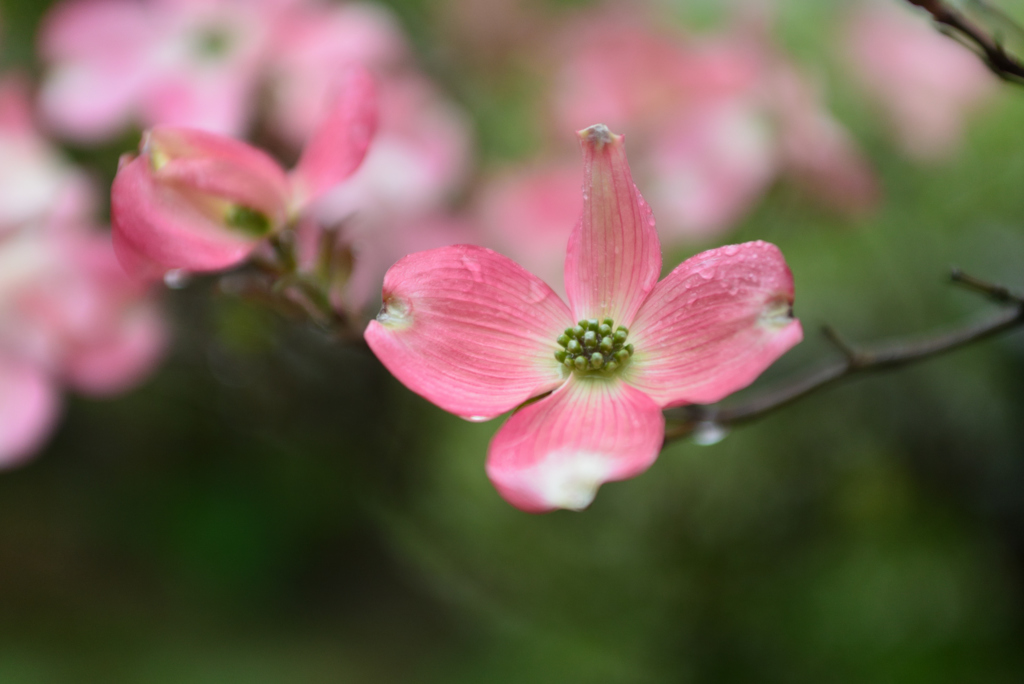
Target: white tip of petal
[567,479]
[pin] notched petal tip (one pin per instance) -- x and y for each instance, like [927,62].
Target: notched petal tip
[598,136]
[395,313]
[777,313]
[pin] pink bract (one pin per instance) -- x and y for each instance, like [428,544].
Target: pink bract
[199,201]
[476,334]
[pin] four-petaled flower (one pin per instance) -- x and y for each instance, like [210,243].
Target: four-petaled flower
[478,335]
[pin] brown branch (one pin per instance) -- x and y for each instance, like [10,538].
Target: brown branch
[856,360]
[999,61]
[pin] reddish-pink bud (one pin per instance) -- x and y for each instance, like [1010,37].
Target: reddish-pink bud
[197,201]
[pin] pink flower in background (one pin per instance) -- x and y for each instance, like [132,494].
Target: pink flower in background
[925,83]
[311,44]
[478,335]
[35,181]
[68,313]
[198,201]
[114,63]
[420,154]
[816,150]
[710,126]
[528,214]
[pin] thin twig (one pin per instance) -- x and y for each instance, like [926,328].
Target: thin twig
[999,61]
[857,360]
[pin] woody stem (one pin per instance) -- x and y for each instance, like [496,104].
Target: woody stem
[857,360]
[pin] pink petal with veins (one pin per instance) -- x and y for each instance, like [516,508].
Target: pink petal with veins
[470,330]
[29,407]
[339,144]
[556,452]
[218,165]
[614,257]
[713,325]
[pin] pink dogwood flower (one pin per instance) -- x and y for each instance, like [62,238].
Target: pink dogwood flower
[199,201]
[478,335]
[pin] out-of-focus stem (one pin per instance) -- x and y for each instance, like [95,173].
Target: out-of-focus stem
[857,360]
[999,61]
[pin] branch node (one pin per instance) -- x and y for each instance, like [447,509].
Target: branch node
[853,357]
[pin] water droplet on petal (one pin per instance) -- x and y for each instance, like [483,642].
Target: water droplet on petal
[709,432]
[177,278]
[477,419]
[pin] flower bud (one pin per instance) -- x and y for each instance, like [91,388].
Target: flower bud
[197,201]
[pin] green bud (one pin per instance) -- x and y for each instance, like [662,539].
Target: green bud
[580,362]
[590,339]
[569,332]
[593,324]
[568,363]
[612,366]
[629,348]
[583,323]
[577,331]
[563,340]
[561,355]
[609,322]
[606,345]
[604,329]
[620,336]
[596,360]
[573,346]
[622,356]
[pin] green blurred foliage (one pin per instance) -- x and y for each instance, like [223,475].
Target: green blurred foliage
[274,508]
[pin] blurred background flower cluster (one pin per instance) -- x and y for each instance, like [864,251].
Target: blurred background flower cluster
[198,487]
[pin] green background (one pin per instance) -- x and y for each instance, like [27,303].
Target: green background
[271,507]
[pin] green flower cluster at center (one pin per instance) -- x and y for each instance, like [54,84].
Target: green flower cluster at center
[594,346]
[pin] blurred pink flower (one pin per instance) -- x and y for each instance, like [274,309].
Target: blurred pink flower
[528,213]
[420,154]
[478,335]
[199,201]
[925,83]
[710,125]
[315,41]
[113,63]
[35,181]
[68,315]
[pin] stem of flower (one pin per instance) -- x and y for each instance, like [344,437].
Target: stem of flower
[856,360]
